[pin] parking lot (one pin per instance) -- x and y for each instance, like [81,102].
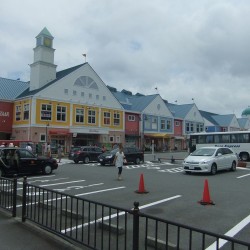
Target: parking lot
[171,194]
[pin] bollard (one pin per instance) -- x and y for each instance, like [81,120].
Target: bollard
[136,226]
[172,160]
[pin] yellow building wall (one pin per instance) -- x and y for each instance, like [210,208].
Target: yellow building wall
[54,105]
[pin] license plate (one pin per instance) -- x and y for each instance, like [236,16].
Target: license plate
[191,167]
[72,154]
[100,159]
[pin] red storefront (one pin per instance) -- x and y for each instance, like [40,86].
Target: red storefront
[6,120]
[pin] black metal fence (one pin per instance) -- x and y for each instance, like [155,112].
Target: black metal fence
[102,226]
[8,194]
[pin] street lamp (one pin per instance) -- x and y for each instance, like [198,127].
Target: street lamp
[46,139]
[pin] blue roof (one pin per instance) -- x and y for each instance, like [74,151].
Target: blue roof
[59,75]
[133,102]
[11,89]
[209,116]
[223,120]
[179,111]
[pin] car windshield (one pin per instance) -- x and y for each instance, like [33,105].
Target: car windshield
[204,152]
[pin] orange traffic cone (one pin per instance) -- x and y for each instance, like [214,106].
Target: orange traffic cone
[206,196]
[141,189]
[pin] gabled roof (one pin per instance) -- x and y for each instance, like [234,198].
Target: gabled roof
[133,102]
[209,116]
[59,75]
[242,121]
[179,111]
[223,120]
[10,89]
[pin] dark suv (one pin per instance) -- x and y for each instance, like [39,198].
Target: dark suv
[132,154]
[85,154]
[22,161]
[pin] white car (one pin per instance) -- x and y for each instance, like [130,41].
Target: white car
[210,160]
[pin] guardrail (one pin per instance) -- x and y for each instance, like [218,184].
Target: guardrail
[102,226]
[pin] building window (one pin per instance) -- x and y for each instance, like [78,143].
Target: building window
[66,91]
[187,127]
[82,94]
[118,139]
[131,118]
[97,97]
[104,98]
[26,111]
[163,124]
[191,127]
[90,96]
[177,123]
[61,113]
[79,115]
[199,128]
[116,119]
[91,116]
[46,113]
[106,117]
[154,123]
[168,124]
[18,113]
[42,138]
[74,92]
[111,139]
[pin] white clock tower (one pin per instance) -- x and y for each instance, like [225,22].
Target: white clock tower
[43,69]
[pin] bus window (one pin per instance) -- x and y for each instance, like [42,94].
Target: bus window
[234,138]
[217,139]
[209,139]
[243,138]
[225,138]
[201,139]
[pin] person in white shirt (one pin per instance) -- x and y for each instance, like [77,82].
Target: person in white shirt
[119,160]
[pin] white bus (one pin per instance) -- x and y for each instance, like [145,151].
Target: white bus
[238,141]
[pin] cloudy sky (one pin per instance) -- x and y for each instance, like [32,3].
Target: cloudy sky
[187,49]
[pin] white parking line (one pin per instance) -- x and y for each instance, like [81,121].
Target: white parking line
[119,214]
[54,184]
[231,233]
[242,176]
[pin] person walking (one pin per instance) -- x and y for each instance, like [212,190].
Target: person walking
[119,160]
[48,150]
[59,153]
[28,147]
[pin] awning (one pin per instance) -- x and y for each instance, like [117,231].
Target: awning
[158,135]
[179,138]
[59,131]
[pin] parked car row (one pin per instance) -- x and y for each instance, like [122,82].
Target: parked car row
[88,154]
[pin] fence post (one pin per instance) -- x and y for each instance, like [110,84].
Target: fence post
[14,196]
[24,198]
[136,226]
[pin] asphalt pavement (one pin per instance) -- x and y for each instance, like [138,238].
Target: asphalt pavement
[15,234]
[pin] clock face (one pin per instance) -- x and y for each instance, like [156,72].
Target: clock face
[47,42]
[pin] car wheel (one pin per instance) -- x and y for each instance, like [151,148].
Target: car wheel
[47,169]
[86,160]
[213,169]
[103,164]
[76,161]
[233,167]
[137,161]
[244,157]
[187,172]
